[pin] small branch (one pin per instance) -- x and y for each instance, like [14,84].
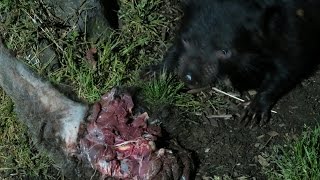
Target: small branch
[234,97]
[222,92]
[227,116]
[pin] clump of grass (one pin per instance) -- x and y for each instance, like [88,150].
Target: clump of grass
[162,90]
[299,160]
[167,90]
[18,159]
[5,5]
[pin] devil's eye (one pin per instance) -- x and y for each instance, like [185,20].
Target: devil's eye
[223,54]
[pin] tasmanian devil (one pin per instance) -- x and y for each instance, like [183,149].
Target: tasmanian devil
[266,45]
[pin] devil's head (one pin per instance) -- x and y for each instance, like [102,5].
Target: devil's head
[216,34]
[199,67]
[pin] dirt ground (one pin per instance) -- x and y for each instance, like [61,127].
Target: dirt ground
[225,148]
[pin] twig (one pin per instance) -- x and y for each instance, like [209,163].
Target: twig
[218,90]
[232,96]
[227,116]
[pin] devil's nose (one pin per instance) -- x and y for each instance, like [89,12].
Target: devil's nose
[189,77]
[190,81]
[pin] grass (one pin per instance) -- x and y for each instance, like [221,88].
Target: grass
[120,53]
[167,90]
[299,160]
[18,157]
[162,90]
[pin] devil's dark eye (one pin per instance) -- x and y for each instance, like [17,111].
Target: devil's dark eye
[223,54]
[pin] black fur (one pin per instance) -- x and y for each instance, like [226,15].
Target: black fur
[267,45]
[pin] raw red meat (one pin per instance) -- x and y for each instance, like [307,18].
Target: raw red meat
[122,145]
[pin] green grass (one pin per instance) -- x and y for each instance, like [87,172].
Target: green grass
[18,157]
[299,160]
[120,53]
[162,91]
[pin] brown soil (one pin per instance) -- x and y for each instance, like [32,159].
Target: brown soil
[225,148]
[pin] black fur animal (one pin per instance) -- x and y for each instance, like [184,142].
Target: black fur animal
[267,45]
